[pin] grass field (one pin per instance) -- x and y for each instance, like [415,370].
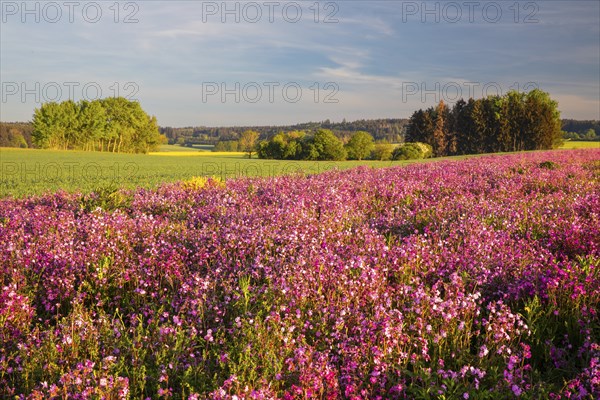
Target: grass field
[26,172]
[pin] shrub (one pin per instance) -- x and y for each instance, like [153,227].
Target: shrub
[412,151]
[382,151]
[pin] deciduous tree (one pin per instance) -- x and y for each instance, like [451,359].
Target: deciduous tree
[360,145]
[247,142]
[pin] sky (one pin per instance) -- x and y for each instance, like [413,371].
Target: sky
[236,63]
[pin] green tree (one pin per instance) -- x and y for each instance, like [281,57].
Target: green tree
[118,126]
[70,117]
[293,149]
[55,125]
[412,151]
[247,142]
[92,123]
[421,126]
[485,117]
[48,126]
[542,121]
[15,139]
[112,124]
[590,134]
[283,146]
[147,135]
[226,146]
[359,147]
[326,146]
[440,132]
[571,136]
[275,148]
[382,151]
[513,125]
[464,127]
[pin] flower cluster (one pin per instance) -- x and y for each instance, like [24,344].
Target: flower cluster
[459,279]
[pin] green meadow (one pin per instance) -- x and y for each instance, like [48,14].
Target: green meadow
[25,172]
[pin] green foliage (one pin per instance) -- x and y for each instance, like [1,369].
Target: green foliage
[227,145]
[360,146]
[421,126]
[390,129]
[571,136]
[283,146]
[548,165]
[327,146]
[407,151]
[590,134]
[113,124]
[441,138]
[15,134]
[580,127]
[412,151]
[382,151]
[555,324]
[426,149]
[513,122]
[108,198]
[247,142]
[13,138]
[323,145]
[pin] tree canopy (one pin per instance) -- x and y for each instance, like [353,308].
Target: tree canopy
[113,124]
[513,122]
[360,145]
[322,145]
[247,142]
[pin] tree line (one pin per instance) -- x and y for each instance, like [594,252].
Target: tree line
[581,130]
[513,122]
[298,145]
[390,129]
[324,145]
[114,124]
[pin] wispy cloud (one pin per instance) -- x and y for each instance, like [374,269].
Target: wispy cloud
[368,48]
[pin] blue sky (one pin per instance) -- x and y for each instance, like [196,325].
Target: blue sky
[187,61]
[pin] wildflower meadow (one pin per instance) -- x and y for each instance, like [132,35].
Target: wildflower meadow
[471,279]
